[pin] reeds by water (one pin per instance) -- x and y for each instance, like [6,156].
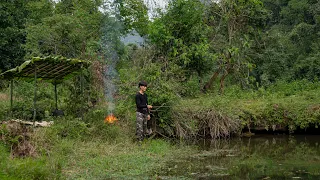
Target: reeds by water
[208,123]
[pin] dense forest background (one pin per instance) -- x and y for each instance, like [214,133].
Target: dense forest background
[190,48]
[255,42]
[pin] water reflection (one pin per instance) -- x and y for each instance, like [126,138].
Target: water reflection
[258,157]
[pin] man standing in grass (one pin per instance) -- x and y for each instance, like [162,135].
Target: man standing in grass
[142,113]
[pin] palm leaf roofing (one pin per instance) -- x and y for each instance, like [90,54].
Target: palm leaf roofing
[54,69]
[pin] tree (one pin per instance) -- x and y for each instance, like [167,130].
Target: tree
[68,31]
[289,43]
[39,9]
[12,35]
[295,12]
[274,7]
[235,24]
[134,15]
[180,34]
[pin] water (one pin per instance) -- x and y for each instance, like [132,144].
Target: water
[259,157]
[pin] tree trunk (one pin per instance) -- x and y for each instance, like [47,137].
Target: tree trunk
[223,78]
[208,85]
[222,82]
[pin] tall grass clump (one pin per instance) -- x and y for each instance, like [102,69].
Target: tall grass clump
[197,121]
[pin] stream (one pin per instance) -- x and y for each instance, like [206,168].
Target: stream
[259,157]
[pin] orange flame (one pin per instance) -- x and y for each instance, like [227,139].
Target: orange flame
[110,119]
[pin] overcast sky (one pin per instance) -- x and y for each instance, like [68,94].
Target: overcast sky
[154,4]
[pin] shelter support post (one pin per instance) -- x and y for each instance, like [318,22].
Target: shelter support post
[82,96]
[11,97]
[35,95]
[56,95]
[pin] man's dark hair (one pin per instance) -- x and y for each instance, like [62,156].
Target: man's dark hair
[143,83]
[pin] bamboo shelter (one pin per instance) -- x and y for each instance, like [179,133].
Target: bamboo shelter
[52,69]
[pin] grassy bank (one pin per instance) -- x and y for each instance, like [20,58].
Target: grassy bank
[63,153]
[274,158]
[91,160]
[77,150]
[282,105]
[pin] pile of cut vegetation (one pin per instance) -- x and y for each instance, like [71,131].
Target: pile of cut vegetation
[18,136]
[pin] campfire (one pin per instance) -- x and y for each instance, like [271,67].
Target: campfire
[110,119]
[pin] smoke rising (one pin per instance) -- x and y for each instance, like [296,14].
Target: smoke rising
[110,46]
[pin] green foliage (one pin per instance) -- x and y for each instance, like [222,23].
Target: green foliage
[23,96]
[163,86]
[12,33]
[134,15]
[71,29]
[309,67]
[181,35]
[69,128]
[190,88]
[39,9]
[274,61]
[235,24]
[64,33]
[290,41]
[296,11]
[23,101]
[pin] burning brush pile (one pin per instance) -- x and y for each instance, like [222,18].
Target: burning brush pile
[191,123]
[110,119]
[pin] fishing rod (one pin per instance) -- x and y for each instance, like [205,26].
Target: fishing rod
[158,107]
[162,106]
[165,106]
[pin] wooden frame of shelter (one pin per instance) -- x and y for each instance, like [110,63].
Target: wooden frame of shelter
[51,69]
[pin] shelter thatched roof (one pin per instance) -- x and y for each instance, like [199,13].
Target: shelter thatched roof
[53,69]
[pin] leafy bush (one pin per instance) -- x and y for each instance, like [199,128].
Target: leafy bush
[162,82]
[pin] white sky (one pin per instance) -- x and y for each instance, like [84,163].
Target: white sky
[151,4]
[154,4]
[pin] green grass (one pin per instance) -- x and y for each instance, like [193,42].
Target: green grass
[121,160]
[294,105]
[93,157]
[71,158]
[27,168]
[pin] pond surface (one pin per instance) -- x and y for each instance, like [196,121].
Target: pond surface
[259,157]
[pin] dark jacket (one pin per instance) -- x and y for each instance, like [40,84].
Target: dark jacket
[142,102]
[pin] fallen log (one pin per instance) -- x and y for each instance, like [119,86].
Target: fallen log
[37,124]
